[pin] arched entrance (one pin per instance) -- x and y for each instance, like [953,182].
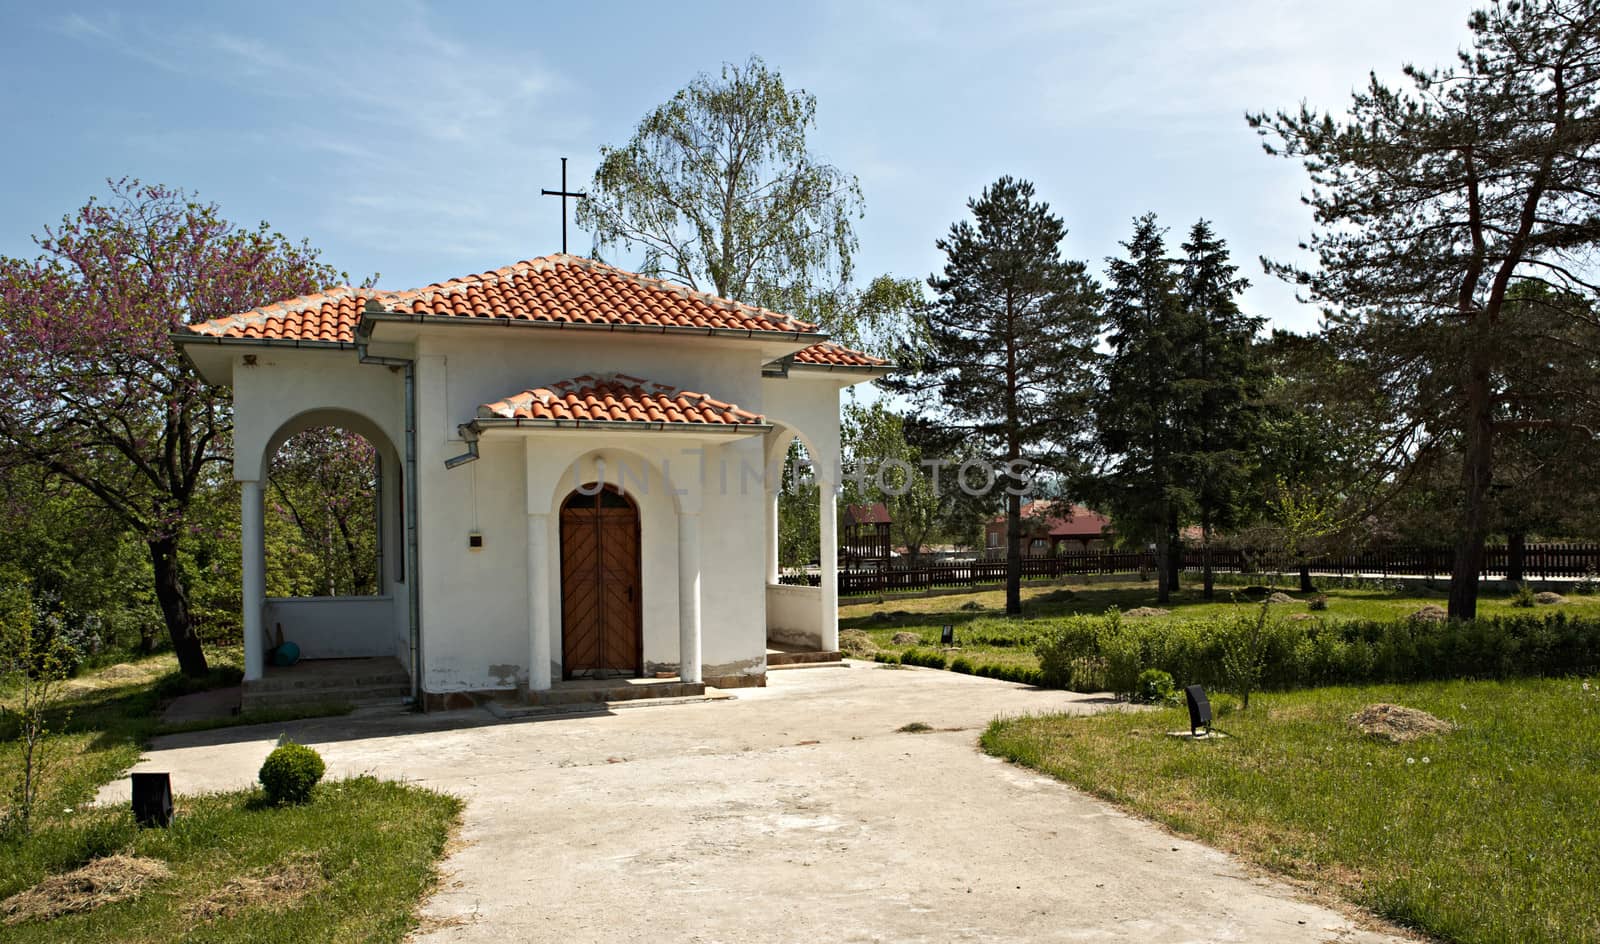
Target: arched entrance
[601,613]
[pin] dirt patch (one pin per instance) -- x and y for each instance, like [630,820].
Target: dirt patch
[1398,724]
[101,882]
[857,643]
[278,886]
[907,639]
[1432,613]
[1143,612]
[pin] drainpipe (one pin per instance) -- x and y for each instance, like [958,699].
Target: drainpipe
[413,577]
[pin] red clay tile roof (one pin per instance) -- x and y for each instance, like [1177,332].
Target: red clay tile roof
[874,513]
[1063,519]
[830,354]
[320,316]
[618,398]
[558,289]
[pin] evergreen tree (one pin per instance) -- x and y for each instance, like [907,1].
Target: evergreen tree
[1141,404]
[1009,347]
[1222,389]
[1432,203]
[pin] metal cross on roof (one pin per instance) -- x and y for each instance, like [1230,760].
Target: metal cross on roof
[564,194]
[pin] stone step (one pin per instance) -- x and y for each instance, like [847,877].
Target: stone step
[594,693]
[289,682]
[253,700]
[509,711]
[792,666]
[776,660]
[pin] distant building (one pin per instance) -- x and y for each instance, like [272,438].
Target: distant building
[865,534]
[1050,528]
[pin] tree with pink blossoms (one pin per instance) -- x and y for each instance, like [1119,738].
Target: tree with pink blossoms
[92,389]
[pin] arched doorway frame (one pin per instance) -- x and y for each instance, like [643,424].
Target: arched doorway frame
[617,581]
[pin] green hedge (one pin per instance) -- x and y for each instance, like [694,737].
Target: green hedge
[1106,653]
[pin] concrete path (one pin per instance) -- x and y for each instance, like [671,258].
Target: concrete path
[794,813]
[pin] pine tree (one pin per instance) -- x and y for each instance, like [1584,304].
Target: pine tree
[1010,343]
[1432,203]
[1223,386]
[1142,404]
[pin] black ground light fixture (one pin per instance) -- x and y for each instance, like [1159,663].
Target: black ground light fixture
[947,636]
[1199,709]
[152,799]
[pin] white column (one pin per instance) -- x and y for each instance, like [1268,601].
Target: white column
[689,596]
[254,584]
[772,537]
[829,558]
[538,603]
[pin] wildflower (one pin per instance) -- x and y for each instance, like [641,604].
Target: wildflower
[1411,760]
[1426,761]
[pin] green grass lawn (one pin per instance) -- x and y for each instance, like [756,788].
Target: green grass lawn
[986,636]
[1490,833]
[394,832]
[349,866]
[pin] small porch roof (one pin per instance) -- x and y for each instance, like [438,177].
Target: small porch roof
[617,402]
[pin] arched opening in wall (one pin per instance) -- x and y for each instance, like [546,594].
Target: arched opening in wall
[324,523]
[330,569]
[799,519]
[802,547]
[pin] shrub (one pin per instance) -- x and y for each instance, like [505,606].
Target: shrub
[290,772]
[962,665]
[1154,688]
[1318,602]
[1523,596]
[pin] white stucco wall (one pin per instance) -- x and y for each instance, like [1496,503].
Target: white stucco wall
[475,606]
[335,627]
[475,603]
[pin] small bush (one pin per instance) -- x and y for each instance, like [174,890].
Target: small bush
[1155,687]
[290,772]
[1523,596]
[962,665]
[931,660]
[1318,602]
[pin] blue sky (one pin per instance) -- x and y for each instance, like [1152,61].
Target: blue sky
[412,139]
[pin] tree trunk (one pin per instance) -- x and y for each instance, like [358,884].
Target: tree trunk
[1163,572]
[1477,471]
[1207,575]
[174,600]
[1174,553]
[1516,556]
[1306,586]
[1013,555]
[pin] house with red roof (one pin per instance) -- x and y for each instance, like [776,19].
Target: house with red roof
[578,474]
[1050,528]
[866,534]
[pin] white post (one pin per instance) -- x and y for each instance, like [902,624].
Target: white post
[538,603]
[829,558]
[689,596]
[254,584]
[772,537]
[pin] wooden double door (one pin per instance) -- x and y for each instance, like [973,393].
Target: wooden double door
[601,632]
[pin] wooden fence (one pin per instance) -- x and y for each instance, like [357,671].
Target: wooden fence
[1539,561]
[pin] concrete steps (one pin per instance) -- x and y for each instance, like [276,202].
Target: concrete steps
[587,691]
[792,659]
[359,682]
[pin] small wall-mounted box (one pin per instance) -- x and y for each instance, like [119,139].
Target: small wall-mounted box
[475,540]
